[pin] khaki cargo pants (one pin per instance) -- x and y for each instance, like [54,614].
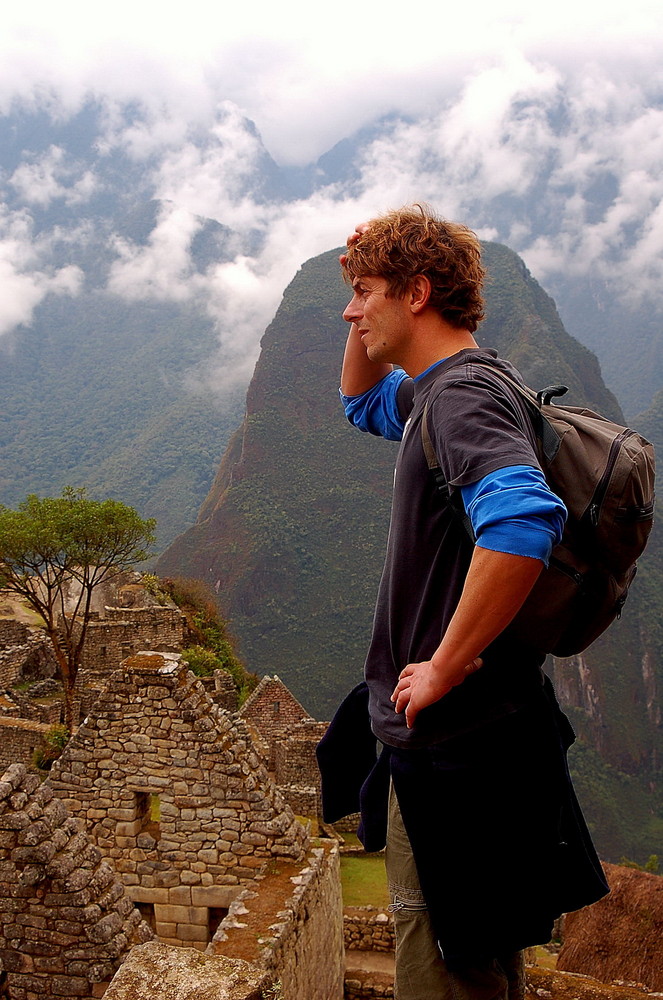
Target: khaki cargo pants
[421,973]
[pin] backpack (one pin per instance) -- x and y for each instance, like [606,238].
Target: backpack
[604,473]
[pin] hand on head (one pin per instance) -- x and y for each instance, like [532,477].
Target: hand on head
[360,229]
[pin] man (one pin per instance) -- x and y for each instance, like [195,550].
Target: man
[485,841]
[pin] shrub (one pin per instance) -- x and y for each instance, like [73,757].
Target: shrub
[202,662]
[208,634]
[56,739]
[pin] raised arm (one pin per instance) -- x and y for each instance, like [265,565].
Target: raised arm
[359,373]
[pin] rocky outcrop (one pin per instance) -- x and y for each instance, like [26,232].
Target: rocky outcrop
[619,938]
[157,970]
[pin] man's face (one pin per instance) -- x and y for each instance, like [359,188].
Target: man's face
[383,322]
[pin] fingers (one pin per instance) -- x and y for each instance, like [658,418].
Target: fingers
[474,665]
[360,229]
[401,695]
[407,699]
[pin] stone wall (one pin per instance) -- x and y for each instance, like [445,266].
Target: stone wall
[12,632]
[304,801]
[173,792]
[295,762]
[19,738]
[120,632]
[368,928]
[306,955]
[296,768]
[36,705]
[184,914]
[300,945]
[274,712]
[363,985]
[222,690]
[25,654]
[65,921]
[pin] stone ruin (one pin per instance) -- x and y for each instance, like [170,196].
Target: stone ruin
[25,653]
[66,922]
[115,633]
[286,736]
[179,830]
[174,795]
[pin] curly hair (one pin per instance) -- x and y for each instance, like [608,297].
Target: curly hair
[412,241]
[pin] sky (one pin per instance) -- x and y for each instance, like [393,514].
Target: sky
[499,103]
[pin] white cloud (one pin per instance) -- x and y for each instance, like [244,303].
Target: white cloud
[44,179]
[162,269]
[24,281]
[307,78]
[541,126]
[563,169]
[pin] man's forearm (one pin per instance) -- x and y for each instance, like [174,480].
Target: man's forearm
[496,587]
[359,373]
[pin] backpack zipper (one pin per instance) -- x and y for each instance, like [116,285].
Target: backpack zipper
[600,491]
[563,567]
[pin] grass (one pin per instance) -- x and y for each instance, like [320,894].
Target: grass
[352,840]
[364,881]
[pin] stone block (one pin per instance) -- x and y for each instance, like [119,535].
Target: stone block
[173,914]
[193,932]
[166,931]
[139,894]
[208,856]
[129,827]
[69,986]
[168,878]
[213,895]
[180,895]
[190,878]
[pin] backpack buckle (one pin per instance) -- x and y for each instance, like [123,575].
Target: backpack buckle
[545,395]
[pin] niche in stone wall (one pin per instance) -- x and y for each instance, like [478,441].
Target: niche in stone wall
[148,812]
[215,914]
[146,911]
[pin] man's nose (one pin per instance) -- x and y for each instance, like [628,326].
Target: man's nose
[352,312]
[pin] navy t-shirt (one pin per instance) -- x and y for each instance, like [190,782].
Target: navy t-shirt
[477,425]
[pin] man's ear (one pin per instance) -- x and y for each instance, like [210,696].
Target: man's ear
[419,293]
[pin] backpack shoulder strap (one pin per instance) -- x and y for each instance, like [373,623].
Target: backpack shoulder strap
[441,484]
[545,432]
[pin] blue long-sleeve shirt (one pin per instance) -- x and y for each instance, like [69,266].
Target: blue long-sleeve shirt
[512,509]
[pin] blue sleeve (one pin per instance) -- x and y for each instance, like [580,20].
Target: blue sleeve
[376,410]
[514,510]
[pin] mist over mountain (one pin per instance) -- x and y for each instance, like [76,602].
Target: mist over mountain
[142,256]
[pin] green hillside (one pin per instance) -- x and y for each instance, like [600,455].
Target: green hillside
[95,394]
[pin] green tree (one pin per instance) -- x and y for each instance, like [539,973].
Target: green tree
[54,552]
